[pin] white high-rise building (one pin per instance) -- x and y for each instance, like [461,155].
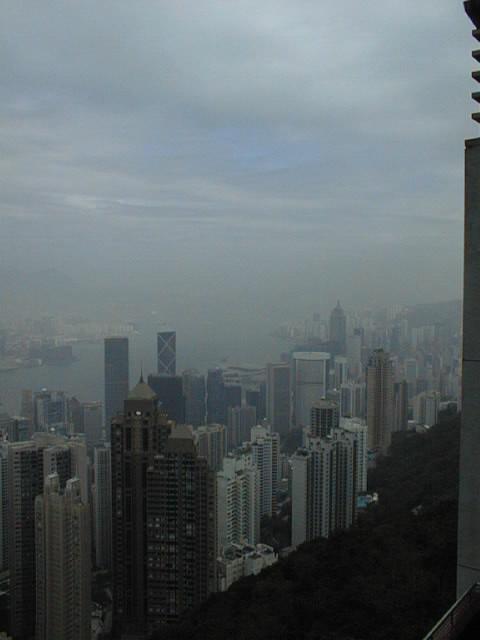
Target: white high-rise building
[92,414]
[265,448]
[103,506]
[63,575]
[238,501]
[309,380]
[325,481]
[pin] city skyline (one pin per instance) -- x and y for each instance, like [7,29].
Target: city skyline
[237,373]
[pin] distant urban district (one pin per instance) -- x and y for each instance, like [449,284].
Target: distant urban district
[123,516]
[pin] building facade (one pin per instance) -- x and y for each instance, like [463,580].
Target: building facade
[238,501]
[324,484]
[309,378]
[63,562]
[379,401]
[167,353]
[102,468]
[137,436]
[181,531]
[194,392]
[116,376]
[210,441]
[278,397]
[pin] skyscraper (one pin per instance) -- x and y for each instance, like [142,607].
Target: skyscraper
[238,501]
[400,406]
[210,441]
[63,575]
[194,392]
[324,418]
[169,392]
[309,383]
[324,484]
[103,507]
[28,462]
[338,330]
[353,400]
[265,451]
[116,376]
[50,412]
[216,409]
[278,397]
[379,400]
[341,371]
[137,436]
[167,353]
[181,531]
[92,423]
[240,420]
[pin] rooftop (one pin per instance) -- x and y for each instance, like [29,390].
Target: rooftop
[142,391]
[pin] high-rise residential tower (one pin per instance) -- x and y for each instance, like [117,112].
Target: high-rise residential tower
[28,464]
[265,451]
[325,483]
[137,435]
[63,573]
[116,376]
[238,501]
[181,531]
[167,353]
[278,397]
[324,418]
[380,407]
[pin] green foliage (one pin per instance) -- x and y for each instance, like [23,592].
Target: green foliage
[389,577]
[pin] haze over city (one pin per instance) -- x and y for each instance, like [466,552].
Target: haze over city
[239,320]
[238,164]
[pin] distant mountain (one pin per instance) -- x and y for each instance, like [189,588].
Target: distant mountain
[390,577]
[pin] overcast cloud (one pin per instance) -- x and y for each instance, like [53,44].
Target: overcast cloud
[264,156]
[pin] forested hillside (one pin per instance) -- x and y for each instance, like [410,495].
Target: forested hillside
[390,577]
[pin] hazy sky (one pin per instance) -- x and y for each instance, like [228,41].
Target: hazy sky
[259,158]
